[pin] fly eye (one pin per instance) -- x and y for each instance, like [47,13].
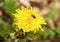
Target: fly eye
[33,16]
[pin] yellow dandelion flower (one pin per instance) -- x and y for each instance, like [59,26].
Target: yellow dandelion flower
[28,19]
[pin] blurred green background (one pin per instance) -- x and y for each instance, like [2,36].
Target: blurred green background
[50,11]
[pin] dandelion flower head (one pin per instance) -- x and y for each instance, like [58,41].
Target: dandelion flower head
[28,19]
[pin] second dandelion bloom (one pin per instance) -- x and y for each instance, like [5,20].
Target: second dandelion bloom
[28,19]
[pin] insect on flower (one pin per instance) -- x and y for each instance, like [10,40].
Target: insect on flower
[28,19]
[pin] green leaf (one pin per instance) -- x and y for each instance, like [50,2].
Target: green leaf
[10,6]
[51,33]
[1,4]
[31,36]
[58,29]
[43,33]
[22,40]
[4,28]
[52,14]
